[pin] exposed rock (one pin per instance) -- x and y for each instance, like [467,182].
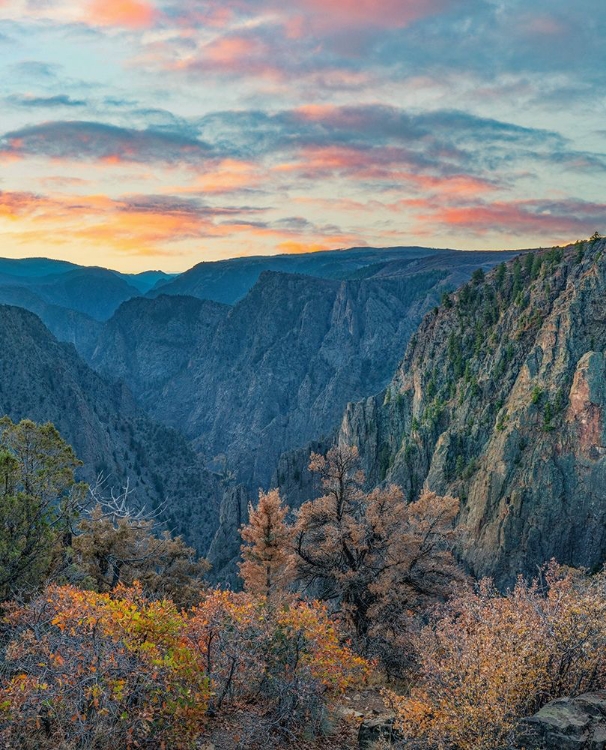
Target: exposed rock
[225,548]
[500,400]
[376,730]
[66,325]
[149,341]
[44,380]
[566,724]
[276,370]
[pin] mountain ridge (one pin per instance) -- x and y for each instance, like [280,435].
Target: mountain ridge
[500,399]
[45,380]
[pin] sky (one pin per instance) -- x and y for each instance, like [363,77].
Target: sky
[142,134]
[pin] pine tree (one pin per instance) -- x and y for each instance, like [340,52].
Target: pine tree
[265,569]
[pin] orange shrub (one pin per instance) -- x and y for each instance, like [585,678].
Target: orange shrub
[100,670]
[288,659]
[118,670]
[492,659]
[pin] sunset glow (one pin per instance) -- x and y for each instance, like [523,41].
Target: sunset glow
[140,133]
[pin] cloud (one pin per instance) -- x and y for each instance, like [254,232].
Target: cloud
[35,69]
[255,150]
[228,176]
[554,219]
[313,14]
[383,13]
[41,102]
[92,141]
[134,14]
[380,143]
[147,224]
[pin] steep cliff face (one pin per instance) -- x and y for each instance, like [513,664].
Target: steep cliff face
[71,300]
[44,380]
[276,370]
[501,399]
[149,341]
[285,361]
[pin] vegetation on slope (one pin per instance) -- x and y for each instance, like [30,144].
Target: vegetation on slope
[499,401]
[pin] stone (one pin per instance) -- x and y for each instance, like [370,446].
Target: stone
[566,724]
[506,409]
[375,730]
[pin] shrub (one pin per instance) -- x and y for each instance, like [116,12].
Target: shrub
[288,659]
[492,659]
[92,670]
[118,670]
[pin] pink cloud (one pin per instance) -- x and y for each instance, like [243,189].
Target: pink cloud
[382,13]
[134,14]
[561,219]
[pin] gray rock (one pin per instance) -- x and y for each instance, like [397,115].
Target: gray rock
[501,400]
[46,381]
[224,551]
[376,730]
[566,724]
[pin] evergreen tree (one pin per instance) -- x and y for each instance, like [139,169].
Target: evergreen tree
[265,569]
[39,502]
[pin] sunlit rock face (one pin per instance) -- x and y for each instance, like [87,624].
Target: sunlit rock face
[500,399]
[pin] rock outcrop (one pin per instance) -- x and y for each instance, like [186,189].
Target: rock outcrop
[566,724]
[224,551]
[501,400]
[376,732]
[275,371]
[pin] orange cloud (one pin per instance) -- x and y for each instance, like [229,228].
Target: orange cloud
[291,247]
[133,14]
[147,225]
[230,176]
[230,51]
[232,54]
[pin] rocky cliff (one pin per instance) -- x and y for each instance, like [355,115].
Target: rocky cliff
[44,380]
[149,341]
[501,399]
[276,370]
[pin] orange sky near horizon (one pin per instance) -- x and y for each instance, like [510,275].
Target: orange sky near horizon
[143,134]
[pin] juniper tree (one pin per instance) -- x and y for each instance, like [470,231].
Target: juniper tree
[374,556]
[39,501]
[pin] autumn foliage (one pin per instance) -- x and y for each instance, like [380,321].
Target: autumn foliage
[135,651]
[101,670]
[108,550]
[266,559]
[89,669]
[488,660]
[380,560]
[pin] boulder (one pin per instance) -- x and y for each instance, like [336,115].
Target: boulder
[566,724]
[375,730]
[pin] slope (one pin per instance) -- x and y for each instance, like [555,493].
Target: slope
[44,380]
[500,400]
